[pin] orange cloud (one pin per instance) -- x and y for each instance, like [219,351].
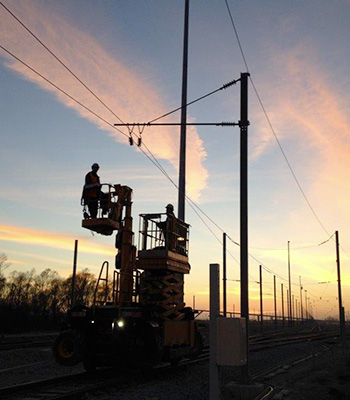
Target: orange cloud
[33,237]
[309,111]
[127,92]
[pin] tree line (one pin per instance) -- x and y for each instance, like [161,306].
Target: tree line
[31,301]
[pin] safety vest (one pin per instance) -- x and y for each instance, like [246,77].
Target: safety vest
[93,191]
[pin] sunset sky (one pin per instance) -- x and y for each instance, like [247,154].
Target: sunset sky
[129,53]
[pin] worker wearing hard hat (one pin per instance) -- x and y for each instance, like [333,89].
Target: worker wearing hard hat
[170,228]
[91,191]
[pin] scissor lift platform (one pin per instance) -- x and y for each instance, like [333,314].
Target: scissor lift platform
[162,258]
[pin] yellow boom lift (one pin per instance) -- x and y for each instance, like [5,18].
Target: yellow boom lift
[139,315]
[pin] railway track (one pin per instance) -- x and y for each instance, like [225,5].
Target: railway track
[24,345]
[27,341]
[265,343]
[70,386]
[67,387]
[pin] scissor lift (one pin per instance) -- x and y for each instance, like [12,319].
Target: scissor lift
[163,256]
[141,316]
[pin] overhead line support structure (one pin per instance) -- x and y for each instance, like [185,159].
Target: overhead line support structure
[243,124]
[341,309]
[244,214]
[182,161]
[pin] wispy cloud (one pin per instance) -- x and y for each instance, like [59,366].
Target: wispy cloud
[322,124]
[309,111]
[127,92]
[16,234]
[19,259]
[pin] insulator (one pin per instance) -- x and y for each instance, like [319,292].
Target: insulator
[139,142]
[229,123]
[131,141]
[226,85]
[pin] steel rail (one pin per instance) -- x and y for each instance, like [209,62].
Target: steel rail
[67,386]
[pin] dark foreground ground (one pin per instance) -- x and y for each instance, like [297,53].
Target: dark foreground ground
[325,376]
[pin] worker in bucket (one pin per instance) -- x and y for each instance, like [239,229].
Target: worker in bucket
[91,191]
[168,228]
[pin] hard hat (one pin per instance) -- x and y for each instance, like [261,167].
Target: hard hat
[170,206]
[95,165]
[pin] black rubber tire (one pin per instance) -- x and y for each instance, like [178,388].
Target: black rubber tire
[69,347]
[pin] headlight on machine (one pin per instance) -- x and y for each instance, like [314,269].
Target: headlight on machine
[118,324]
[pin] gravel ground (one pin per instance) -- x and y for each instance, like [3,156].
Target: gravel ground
[325,377]
[183,383]
[192,382]
[26,365]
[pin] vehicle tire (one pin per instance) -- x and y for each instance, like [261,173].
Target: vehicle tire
[69,347]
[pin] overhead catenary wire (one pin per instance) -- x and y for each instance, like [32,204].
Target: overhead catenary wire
[272,128]
[152,158]
[296,247]
[82,105]
[156,161]
[61,90]
[225,86]
[58,59]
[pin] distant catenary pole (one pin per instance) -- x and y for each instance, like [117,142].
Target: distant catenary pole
[341,310]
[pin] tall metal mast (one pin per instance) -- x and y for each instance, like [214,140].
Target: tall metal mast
[244,214]
[182,166]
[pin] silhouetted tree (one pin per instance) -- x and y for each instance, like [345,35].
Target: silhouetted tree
[45,292]
[84,289]
[19,288]
[31,301]
[4,264]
